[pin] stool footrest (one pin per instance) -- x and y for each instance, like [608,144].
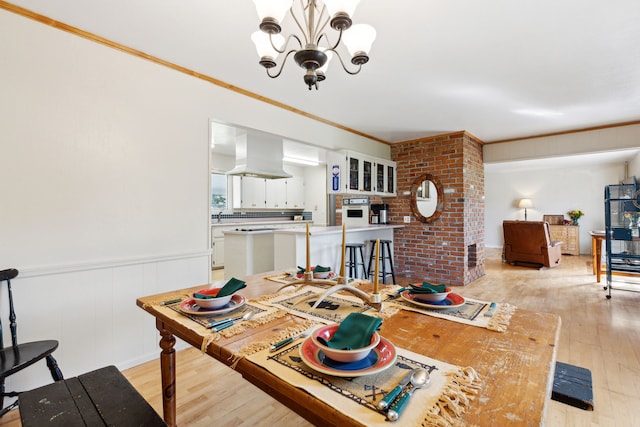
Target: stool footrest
[385,258]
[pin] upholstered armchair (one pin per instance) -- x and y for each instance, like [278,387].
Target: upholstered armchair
[529,242]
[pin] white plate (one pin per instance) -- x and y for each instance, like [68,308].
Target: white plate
[451,301]
[189,306]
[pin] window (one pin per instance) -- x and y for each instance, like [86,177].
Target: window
[218,191]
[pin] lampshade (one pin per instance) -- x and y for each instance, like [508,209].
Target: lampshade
[275,9]
[263,45]
[359,38]
[525,203]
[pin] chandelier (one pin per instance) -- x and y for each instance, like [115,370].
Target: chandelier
[313,49]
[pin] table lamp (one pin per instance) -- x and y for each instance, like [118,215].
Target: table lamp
[525,203]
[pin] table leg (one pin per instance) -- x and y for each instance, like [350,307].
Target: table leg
[594,242]
[598,262]
[168,372]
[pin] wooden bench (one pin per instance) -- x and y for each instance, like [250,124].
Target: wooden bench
[97,398]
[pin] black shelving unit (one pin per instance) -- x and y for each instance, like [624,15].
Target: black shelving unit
[622,203]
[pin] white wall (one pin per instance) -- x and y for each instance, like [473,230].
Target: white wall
[554,191]
[554,187]
[104,188]
[594,141]
[315,184]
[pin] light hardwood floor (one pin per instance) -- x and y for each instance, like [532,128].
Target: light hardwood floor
[599,334]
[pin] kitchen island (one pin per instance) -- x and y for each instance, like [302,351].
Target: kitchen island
[248,251]
[289,245]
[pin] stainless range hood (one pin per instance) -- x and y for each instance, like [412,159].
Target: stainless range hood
[259,156]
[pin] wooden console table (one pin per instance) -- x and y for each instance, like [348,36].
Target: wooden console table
[569,235]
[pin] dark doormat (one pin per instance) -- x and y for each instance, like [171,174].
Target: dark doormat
[572,385]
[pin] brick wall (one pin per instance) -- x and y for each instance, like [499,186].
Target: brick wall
[451,249]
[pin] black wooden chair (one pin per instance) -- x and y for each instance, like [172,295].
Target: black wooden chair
[19,356]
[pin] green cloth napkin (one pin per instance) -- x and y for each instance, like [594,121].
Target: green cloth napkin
[231,287]
[316,269]
[427,288]
[354,332]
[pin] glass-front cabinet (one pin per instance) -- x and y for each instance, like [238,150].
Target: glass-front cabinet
[385,178]
[369,175]
[354,169]
[622,215]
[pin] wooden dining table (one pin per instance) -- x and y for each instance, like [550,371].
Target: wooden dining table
[517,366]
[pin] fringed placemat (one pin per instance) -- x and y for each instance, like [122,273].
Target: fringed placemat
[206,320]
[293,331]
[293,278]
[261,315]
[332,309]
[470,313]
[450,393]
[265,317]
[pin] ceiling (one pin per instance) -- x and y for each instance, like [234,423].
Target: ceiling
[499,69]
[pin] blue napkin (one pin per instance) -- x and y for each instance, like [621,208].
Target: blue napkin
[354,332]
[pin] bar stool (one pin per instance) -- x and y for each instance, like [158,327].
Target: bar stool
[352,263]
[385,257]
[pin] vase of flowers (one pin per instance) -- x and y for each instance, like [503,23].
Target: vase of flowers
[575,215]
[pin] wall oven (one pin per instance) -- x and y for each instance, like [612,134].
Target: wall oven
[355,211]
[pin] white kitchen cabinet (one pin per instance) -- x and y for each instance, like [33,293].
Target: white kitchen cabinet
[295,193]
[385,177]
[276,193]
[362,174]
[217,247]
[260,193]
[218,252]
[249,192]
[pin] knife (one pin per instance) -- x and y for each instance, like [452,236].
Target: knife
[492,308]
[277,346]
[397,294]
[223,325]
[223,321]
[386,401]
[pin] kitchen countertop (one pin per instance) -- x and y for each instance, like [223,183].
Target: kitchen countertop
[248,224]
[249,230]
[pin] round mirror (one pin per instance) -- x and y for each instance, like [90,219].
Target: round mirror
[427,198]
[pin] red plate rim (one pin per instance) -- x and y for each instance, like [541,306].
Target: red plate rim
[386,351]
[456,301]
[237,299]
